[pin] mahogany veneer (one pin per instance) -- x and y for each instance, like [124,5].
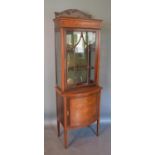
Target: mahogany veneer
[78,100]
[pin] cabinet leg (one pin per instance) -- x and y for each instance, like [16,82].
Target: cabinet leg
[65,139]
[98,126]
[58,128]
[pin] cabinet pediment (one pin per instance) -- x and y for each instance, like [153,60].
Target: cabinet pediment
[73,13]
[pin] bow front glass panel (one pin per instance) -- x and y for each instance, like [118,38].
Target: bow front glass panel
[80,53]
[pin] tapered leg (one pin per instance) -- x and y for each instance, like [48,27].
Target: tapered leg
[98,126]
[65,122]
[58,128]
[65,139]
[58,122]
[98,119]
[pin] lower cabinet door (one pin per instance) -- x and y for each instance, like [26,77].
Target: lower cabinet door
[83,110]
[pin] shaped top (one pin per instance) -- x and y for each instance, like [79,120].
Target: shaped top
[73,18]
[73,13]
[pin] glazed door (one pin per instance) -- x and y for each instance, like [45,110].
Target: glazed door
[80,57]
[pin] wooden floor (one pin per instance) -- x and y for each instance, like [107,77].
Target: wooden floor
[81,141]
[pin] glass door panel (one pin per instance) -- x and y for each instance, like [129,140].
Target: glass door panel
[92,54]
[58,58]
[80,50]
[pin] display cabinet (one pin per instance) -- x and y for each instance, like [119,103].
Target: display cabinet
[77,51]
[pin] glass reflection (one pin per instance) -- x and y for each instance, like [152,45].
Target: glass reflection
[80,57]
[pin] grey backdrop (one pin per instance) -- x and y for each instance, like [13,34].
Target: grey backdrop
[99,9]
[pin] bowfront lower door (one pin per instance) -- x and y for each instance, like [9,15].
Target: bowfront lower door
[80,57]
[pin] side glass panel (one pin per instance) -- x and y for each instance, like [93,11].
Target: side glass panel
[80,52]
[92,54]
[58,58]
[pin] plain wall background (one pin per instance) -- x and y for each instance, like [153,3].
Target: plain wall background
[99,9]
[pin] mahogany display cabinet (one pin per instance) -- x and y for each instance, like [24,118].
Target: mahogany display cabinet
[77,53]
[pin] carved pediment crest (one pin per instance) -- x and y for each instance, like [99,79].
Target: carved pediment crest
[73,13]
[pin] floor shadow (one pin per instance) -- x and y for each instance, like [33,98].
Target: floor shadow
[82,133]
[87,132]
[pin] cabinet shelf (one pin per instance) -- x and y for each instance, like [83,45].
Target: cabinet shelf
[76,68]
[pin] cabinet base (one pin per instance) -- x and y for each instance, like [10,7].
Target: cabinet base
[78,108]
